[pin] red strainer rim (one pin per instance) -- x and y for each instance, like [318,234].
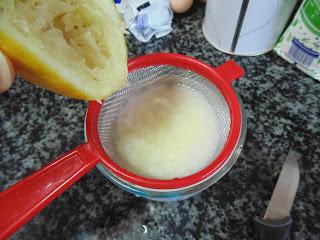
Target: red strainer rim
[218,76]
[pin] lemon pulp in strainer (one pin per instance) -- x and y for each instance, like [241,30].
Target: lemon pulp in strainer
[166,132]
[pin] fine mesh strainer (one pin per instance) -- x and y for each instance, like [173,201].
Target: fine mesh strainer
[22,201]
[153,76]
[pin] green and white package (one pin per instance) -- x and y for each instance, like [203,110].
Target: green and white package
[300,43]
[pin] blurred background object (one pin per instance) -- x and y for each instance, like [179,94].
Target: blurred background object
[180,6]
[146,19]
[300,43]
[246,27]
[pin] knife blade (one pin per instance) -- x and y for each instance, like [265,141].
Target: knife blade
[276,222]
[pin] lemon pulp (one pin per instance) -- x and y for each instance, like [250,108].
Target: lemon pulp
[166,132]
[73,47]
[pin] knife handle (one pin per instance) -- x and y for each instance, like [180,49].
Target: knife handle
[273,229]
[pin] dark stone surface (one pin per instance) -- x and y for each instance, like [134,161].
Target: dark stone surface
[283,106]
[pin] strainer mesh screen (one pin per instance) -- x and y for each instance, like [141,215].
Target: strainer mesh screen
[152,76]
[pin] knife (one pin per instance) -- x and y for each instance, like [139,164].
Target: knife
[276,222]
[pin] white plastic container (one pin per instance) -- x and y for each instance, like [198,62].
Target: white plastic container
[244,27]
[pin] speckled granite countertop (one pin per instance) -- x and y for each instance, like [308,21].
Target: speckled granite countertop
[284,112]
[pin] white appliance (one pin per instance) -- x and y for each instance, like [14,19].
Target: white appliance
[245,27]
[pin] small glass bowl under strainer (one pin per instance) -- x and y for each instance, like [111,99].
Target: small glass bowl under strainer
[214,84]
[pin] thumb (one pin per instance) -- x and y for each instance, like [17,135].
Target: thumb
[6,73]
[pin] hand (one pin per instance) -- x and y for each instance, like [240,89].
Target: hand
[6,73]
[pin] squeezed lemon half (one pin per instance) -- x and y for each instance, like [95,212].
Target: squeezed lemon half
[73,47]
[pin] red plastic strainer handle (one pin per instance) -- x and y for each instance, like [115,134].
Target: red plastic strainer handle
[230,71]
[20,202]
